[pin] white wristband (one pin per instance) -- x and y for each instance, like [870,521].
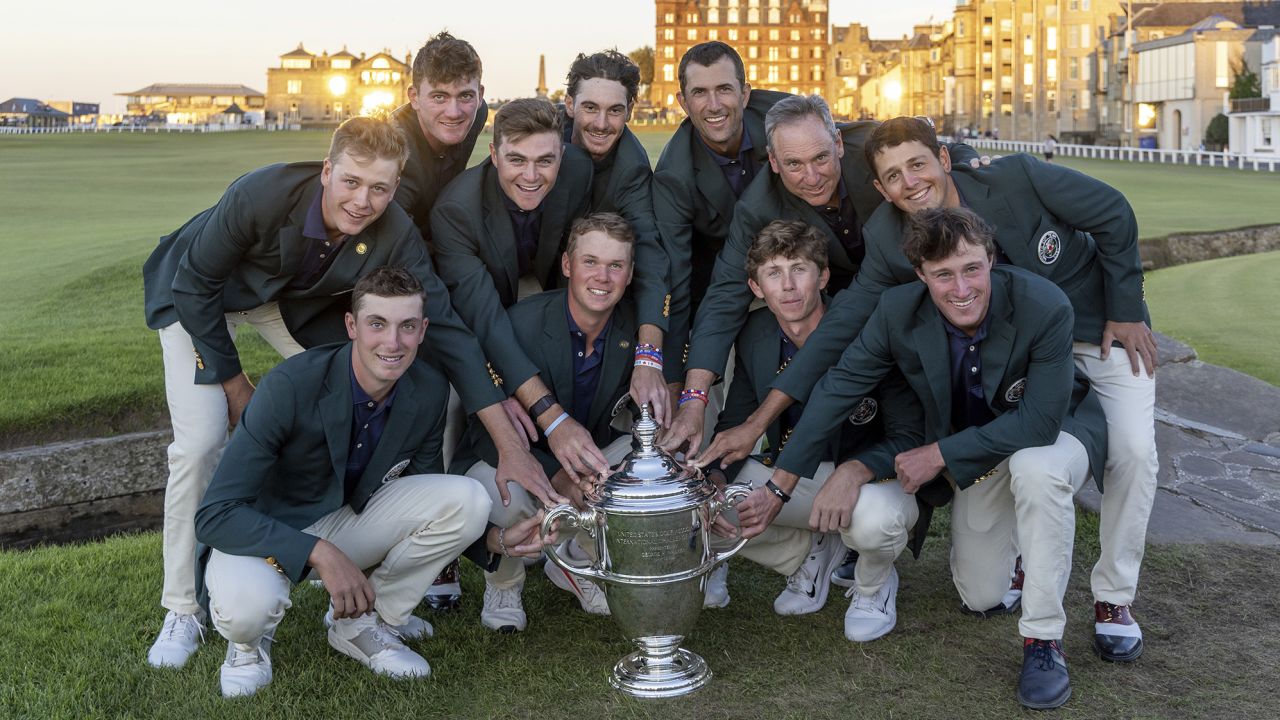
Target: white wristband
[554,423]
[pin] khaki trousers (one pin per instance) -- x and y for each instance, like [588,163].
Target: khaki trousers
[1129,478]
[879,530]
[409,530]
[784,545]
[1031,490]
[510,571]
[199,415]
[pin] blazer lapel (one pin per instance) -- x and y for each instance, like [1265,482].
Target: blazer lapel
[935,357]
[997,347]
[292,244]
[335,411]
[710,179]
[555,329]
[399,422]
[500,237]
[555,212]
[995,210]
[837,256]
[618,358]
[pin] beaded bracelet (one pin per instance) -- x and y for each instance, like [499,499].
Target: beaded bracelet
[641,362]
[648,356]
[689,394]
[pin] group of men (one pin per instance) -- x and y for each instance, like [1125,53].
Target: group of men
[987,345]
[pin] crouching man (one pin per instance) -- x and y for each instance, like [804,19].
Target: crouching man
[335,473]
[988,354]
[787,268]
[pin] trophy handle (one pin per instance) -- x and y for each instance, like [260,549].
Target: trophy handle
[585,520]
[733,494]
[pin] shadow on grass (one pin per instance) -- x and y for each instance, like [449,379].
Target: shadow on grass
[78,621]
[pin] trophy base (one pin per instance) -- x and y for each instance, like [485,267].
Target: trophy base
[662,676]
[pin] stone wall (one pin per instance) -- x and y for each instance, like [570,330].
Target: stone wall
[1182,248]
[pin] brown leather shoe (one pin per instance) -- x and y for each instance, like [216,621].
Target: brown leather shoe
[1116,635]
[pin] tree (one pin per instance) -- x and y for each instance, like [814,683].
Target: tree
[1244,82]
[643,57]
[1217,135]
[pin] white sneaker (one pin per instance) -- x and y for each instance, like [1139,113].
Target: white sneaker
[589,595]
[807,587]
[503,609]
[871,617]
[247,668]
[377,646]
[415,628]
[178,640]
[717,594]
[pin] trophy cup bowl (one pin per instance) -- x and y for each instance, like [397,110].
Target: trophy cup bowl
[651,526]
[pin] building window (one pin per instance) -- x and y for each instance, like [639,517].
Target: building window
[713,34]
[1051,70]
[733,16]
[691,18]
[816,75]
[1006,109]
[795,73]
[1073,68]
[795,35]
[713,16]
[296,63]
[818,33]
[733,34]
[691,34]
[816,53]
[1223,67]
[773,74]
[1006,26]
[753,73]
[1006,83]
[775,16]
[1028,45]
[793,52]
[669,52]
[773,33]
[1028,74]
[753,35]
[1051,38]
[293,87]
[668,33]
[1073,37]
[669,72]
[669,18]
[342,64]
[1051,100]
[1085,33]
[1084,100]
[773,52]
[753,16]
[1026,102]
[753,51]
[960,28]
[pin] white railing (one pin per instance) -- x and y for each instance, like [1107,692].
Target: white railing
[18,130]
[1261,163]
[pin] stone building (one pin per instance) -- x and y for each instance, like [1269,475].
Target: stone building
[783,43]
[854,60]
[1255,122]
[322,90]
[195,104]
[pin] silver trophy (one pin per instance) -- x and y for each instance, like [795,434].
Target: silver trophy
[651,522]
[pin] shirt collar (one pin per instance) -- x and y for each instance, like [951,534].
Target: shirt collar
[574,329]
[313,227]
[959,334]
[360,397]
[744,149]
[514,208]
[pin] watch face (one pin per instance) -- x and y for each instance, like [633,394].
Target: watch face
[621,405]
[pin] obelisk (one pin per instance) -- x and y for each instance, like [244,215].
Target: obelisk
[542,76]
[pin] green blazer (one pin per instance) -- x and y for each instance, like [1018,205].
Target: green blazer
[1086,228]
[621,183]
[426,172]
[724,309]
[1028,378]
[244,251]
[285,464]
[543,332]
[693,205]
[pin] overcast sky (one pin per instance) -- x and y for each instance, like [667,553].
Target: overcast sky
[88,50]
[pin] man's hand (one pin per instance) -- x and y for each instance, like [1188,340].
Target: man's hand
[570,489]
[520,420]
[686,429]
[757,510]
[730,446]
[349,589]
[648,386]
[1138,341]
[919,466]
[834,503]
[519,466]
[577,452]
[520,540]
[239,390]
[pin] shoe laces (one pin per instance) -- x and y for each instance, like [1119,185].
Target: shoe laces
[375,636]
[176,623]
[801,581]
[866,603]
[503,598]
[1042,652]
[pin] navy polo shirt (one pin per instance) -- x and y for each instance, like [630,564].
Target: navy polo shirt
[320,252]
[786,351]
[368,420]
[843,221]
[586,368]
[526,224]
[968,402]
[739,170]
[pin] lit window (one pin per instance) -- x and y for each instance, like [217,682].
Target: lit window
[669,34]
[713,16]
[713,34]
[669,72]
[691,34]
[773,33]
[733,34]
[753,51]
[342,64]
[1051,38]
[733,16]
[793,52]
[381,64]
[294,87]
[1028,74]
[795,73]
[795,35]
[775,16]
[1051,70]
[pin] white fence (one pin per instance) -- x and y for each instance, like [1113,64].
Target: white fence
[1261,163]
[15,130]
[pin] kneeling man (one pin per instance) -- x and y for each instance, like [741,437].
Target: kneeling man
[787,268]
[334,471]
[988,354]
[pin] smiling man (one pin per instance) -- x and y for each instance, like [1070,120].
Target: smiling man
[335,473]
[580,338]
[442,120]
[1082,235]
[497,233]
[1007,419]
[281,251]
[600,93]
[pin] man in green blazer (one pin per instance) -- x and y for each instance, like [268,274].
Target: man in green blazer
[988,354]
[335,472]
[443,119]
[498,232]
[1073,230]
[581,339]
[600,93]
[703,170]
[281,251]
[787,269]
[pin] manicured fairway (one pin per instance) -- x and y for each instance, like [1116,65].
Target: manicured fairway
[80,213]
[1227,309]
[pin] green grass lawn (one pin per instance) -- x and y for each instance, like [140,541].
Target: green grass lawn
[81,213]
[1226,309]
[78,621]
